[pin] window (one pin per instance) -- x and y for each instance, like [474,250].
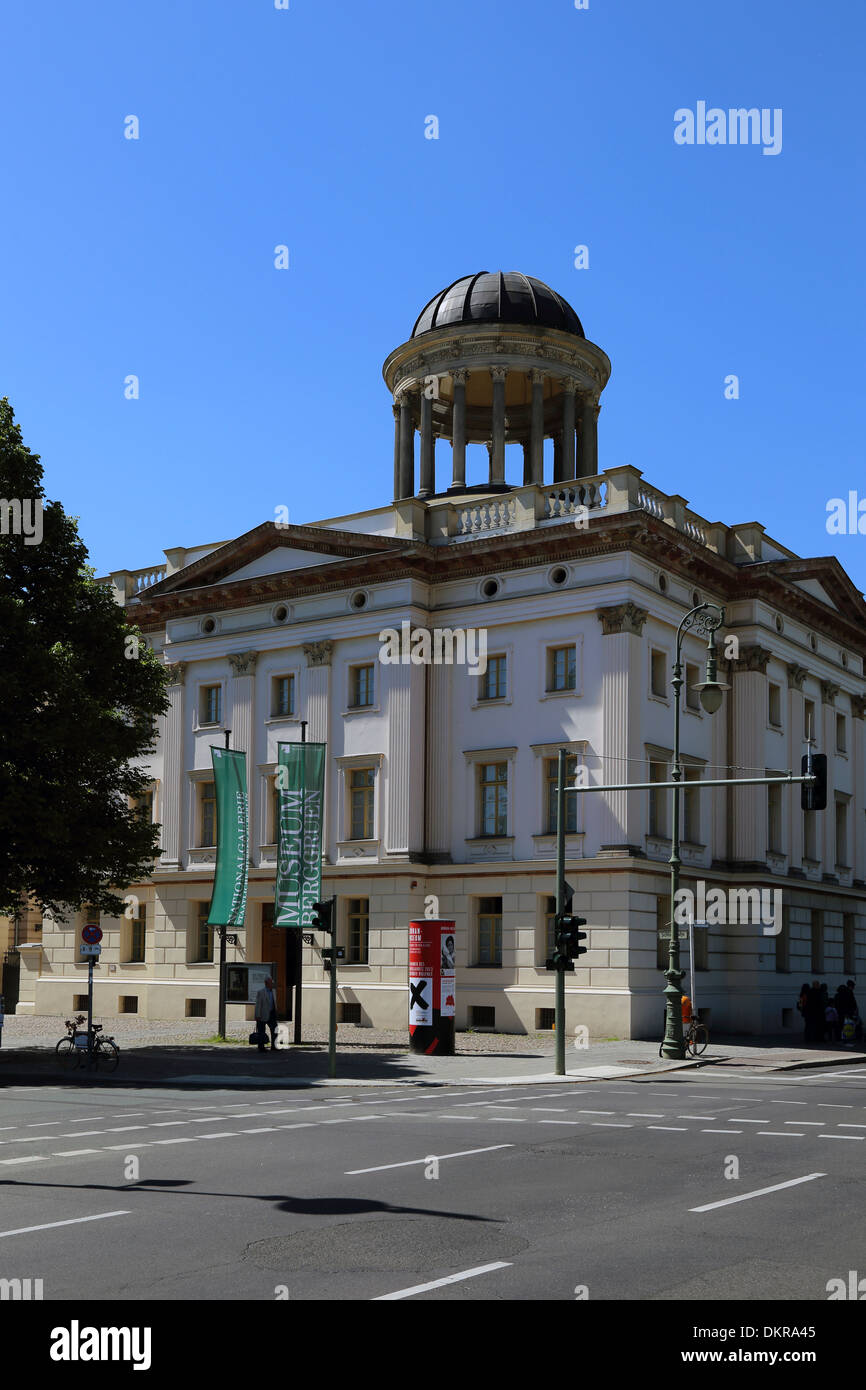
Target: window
[693,698]
[562,668]
[809,730]
[282,696]
[196,1008]
[207,813]
[482,1016]
[549,926]
[658,675]
[492,683]
[783,944]
[841,834]
[691,806]
[211,704]
[810,835]
[143,806]
[545,1020]
[848,944]
[550,774]
[275,812]
[841,734]
[361,803]
[202,945]
[128,1004]
[658,800]
[774,817]
[817,941]
[493,796]
[663,931]
[361,687]
[489,950]
[358,922]
[774,703]
[700,936]
[137,935]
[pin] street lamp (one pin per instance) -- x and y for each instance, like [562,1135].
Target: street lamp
[705,620]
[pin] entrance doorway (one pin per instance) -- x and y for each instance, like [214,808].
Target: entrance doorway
[282,945]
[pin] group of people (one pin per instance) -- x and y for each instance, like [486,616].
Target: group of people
[830,1020]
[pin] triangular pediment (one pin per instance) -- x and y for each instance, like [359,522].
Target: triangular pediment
[275,548]
[817,590]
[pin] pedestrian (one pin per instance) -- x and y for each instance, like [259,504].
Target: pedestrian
[266,1014]
[846,1005]
[686,1007]
[814,1013]
[801,1009]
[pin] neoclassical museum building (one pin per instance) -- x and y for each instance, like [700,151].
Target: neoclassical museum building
[571,579]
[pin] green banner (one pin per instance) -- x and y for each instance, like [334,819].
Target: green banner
[229,900]
[301,791]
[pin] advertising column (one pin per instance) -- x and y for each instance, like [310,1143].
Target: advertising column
[431,986]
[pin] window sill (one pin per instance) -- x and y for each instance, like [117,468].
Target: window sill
[283,719]
[560,694]
[361,709]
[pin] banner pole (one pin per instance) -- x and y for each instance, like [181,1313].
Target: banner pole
[221,1023]
[299,961]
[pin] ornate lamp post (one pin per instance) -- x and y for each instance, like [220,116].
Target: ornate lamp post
[705,620]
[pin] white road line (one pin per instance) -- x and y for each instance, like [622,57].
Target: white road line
[696,1117]
[74,1221]
[761,1192]
[31,1158]
[596,1112]
[40,1124]
[167,1124]
[609,1124]
[846,1124]
[646,1114]
[124,1148]
[551,1109]
[858,1138]
[188,1139]
[86,1120]
[302,1124]
[225,1134]
[782,1133]
[741,1120]
[810,1123]
[497,1119]
[439,1283]
[127,1129]
[412,1162]
[268,1129]
[680,1129]
[828,1105]
[73,1153]
[721,1131]
[789,1102]
[560,1122]
[79,1133]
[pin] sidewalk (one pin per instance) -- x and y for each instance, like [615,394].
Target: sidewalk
[482,1059]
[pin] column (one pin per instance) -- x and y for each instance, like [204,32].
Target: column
[827,744]
[558,474]
[527,462]
[172,767]
[316,707]
[587,449]
[568,440]
[428,483]
[404,786]
[438,847]
[407,447]
[497,457]
[243,666]
[855,827]
[796,714]
[619,822]
[396,409]
[536,439]
[749,814]
[458,429]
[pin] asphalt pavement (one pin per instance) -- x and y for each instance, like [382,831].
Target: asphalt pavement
[713,1184]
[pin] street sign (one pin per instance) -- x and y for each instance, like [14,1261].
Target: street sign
[91,934]
[90,948]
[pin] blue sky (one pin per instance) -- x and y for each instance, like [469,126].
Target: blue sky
[262,388]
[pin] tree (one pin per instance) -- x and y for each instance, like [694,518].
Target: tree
[80,692]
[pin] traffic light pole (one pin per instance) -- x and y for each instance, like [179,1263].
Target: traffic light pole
[332,1016]
[559,1015]
[299,964]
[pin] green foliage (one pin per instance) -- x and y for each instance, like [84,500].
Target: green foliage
[75,714]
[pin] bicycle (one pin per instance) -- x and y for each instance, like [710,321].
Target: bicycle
[74,1052]
[696,1037]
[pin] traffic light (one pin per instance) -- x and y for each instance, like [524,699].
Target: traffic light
[814,797]
[323,916]
[569,936]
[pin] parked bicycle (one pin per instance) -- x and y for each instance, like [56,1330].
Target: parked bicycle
[696,1037]
[73,1050]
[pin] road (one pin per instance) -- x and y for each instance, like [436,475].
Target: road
[610,1190]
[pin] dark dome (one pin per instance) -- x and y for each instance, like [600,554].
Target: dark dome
[498,297]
